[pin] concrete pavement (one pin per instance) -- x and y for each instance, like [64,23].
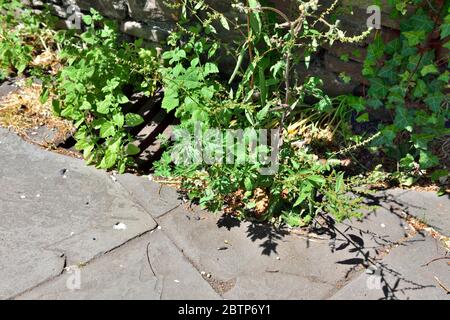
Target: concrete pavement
[68,231]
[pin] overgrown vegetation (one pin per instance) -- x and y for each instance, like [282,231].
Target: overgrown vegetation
[409,82]
[100,74]
[96,74]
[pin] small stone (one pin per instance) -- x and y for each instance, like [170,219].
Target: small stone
[159,227]
[278,258]
[208,276]
[120,226]
[150,177]
[38,195]
[113,178]
[22,197]
[176,281]
[226,242]
[383,225]
[203,273]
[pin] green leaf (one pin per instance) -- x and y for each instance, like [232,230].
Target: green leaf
[414,37]
[434,101]
[132,150]
[319,180]
[87,20]
[107,130]
[122,99]
[210,68]
[133,119]
[378,88]
[445,28]
[224,22]
[429,69]
[255,19]
[119,120]
[171,100]
[248,183]
[438,174]
[427,160]
[109,160]
[363,118]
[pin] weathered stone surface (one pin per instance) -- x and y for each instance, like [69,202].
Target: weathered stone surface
[147,268]
[145,192]
[7,88]
[116,9]
[402,274]
[427,206]
[156,32]
[286,266]
[56,205]
[24,267]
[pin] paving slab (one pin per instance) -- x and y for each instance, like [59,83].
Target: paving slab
[57,205]
[403,274]
[157,199]
[147,268]
[6,88]
[254,261]
[426,205]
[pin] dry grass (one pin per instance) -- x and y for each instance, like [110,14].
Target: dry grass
[21,112]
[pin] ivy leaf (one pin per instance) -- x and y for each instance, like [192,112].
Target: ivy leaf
[429,69]
[378,88]
[403,119]
[428,160]
[414,37]
[434,101]
[133,120]
[420,90]
[445,27]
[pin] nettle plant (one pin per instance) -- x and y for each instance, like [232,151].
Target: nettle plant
[409,77]
[99,75]
[261,93]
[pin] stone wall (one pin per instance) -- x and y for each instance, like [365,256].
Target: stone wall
[153,20]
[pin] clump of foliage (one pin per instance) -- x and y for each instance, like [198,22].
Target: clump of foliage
[260,94]
[409,79]
[24,34]
[99,74]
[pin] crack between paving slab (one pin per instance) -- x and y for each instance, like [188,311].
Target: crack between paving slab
[139,203]
[48,280]
[191,262]
[82,265]
[357,270]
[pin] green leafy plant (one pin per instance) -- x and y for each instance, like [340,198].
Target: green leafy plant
[94,86]
[409,80]
[23,35]
[261,93]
